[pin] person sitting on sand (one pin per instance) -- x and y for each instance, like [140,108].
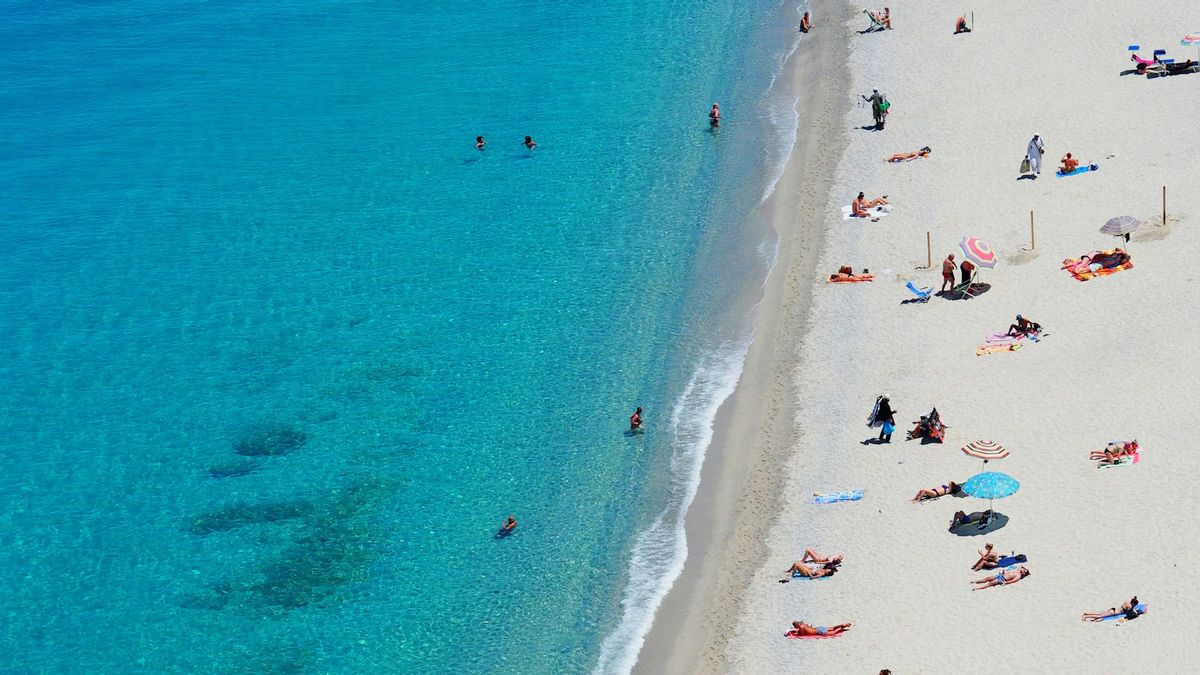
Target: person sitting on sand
[1024,326]
[1069,164]
[802,629]
[1001,578]
[986,557]
[798,568]
[933,493]
[861,206]
[805,23]
[963,518]
[1129,609]
[960,25]
[906,156]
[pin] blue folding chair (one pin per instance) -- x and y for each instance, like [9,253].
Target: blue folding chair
[921,293]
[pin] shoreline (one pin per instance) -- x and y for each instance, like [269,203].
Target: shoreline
[739,493]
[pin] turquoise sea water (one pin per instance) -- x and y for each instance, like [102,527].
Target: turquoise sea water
[282,349]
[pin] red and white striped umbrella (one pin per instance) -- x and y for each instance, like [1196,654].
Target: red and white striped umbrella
[985,450]
[978,251]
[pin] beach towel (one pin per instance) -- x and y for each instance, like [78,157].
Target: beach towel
[797,575]
[1127,460]
[877,212]
[995,348]
[1078,170]
[851,280]
[833,497]
[1141,608]
[1011,561]
[1070,263]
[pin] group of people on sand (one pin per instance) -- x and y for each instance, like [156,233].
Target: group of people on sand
[862,207]
[846,273]
[948,265]
[813,565]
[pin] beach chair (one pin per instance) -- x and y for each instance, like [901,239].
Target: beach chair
[967,289]
[876,24]
[921,293]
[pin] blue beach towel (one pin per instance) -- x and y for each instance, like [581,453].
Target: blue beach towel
[797,575]
[1008,560]
[832,497]
[1140,609]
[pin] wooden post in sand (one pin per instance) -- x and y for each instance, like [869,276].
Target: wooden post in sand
[928,250]
[1164,206]
[972,21]
[1032,233]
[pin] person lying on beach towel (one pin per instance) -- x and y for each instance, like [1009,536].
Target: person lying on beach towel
[861,206]
[1115,450]
[933,493]
[1129,610]
[1098,264]
[1001,578]
[850,278]
[802,629]
[799,569]
[906,156]
[962,518]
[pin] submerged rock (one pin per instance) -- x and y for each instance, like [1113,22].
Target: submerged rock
[270,442]
[240,515]
[233,470]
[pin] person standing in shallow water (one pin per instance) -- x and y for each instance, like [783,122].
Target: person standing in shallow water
[529,143]
[479,142]
[714,116]
[635,420]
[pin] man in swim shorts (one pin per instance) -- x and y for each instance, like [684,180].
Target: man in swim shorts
[948,273]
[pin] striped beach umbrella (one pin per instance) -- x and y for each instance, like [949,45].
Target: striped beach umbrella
[985,450]
[978,251]
[1121,226]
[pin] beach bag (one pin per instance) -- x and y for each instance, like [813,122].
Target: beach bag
[888,428]
[1025,167]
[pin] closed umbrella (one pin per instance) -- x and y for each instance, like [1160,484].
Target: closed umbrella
[978,251]
[991,485]
[1121,226]
[985,450]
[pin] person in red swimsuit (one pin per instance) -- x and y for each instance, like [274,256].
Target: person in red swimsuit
[635,420]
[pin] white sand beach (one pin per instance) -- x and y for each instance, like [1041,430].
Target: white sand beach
[1116,363]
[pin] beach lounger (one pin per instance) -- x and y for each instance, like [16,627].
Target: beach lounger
[876,24]
[966,290]
[921,293]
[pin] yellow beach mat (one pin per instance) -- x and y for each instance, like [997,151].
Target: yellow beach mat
[984,350]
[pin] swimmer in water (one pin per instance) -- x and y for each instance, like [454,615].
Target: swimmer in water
[635,420]
[714,116]
[509,525]
[479,142]
[529,142]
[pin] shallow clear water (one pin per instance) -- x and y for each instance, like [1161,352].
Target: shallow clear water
[282,349]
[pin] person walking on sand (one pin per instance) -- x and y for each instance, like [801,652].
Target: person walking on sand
[635,420]
[1034,153]
[876,100]
[948,266]
[714,116]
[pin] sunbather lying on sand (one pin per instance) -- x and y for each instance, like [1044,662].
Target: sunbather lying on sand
[906,156]
[843,276]
[933,493]
[1114,451]
[1128,609]
[826,560]
[800,569]
[1001,578]
[801,629]
[963,518]
[861,206]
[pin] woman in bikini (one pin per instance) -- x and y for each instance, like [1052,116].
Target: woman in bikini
[861,207]
[802,629]
[986,557]
[933,493]
[1114,451]
[799,568]
[1001,578]
[905,156]
[1128,609]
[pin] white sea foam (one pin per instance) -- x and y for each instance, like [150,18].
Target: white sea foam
[659,551]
